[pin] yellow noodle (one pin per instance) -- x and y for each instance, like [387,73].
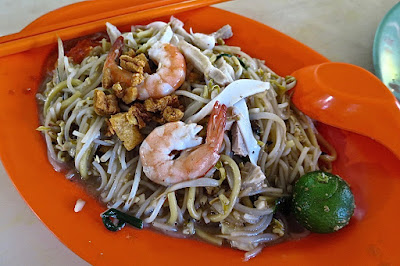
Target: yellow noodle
[235,189]
[173,208]
[190,204]
[209,238]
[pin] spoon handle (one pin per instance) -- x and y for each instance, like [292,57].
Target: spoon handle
[351,98]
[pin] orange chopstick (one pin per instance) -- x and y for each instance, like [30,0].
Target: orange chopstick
[104,9]
[16,43]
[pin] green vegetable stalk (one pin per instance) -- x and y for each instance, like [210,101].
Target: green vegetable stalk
[123,218]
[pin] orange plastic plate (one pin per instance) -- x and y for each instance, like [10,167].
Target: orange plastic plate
[373,172]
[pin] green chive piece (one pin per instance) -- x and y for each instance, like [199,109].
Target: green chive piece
[123,218]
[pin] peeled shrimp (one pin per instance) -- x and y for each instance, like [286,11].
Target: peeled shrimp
[158,150]
[169,76]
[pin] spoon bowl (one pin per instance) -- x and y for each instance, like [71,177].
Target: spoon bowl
[351,98]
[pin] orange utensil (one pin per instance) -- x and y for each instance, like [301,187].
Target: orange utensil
[40,34]
[349,97]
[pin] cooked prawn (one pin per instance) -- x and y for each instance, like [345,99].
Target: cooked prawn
[169,76]
[196,159]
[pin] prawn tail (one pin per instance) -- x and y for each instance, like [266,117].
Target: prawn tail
[216,126]
[115,51]
[111,71]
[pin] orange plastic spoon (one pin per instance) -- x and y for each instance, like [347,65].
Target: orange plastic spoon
[351,98]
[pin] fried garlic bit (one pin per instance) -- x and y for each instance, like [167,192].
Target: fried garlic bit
[137,65]
[127,95]
[126,125]
[172,114]
[168,107]
[126,131]
[138,116]
[105,104]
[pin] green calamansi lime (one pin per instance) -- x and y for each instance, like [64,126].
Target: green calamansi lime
[322,202]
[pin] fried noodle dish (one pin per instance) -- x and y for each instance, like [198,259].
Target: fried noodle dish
[192,136]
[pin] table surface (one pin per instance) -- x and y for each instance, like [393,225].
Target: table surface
[341,30]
